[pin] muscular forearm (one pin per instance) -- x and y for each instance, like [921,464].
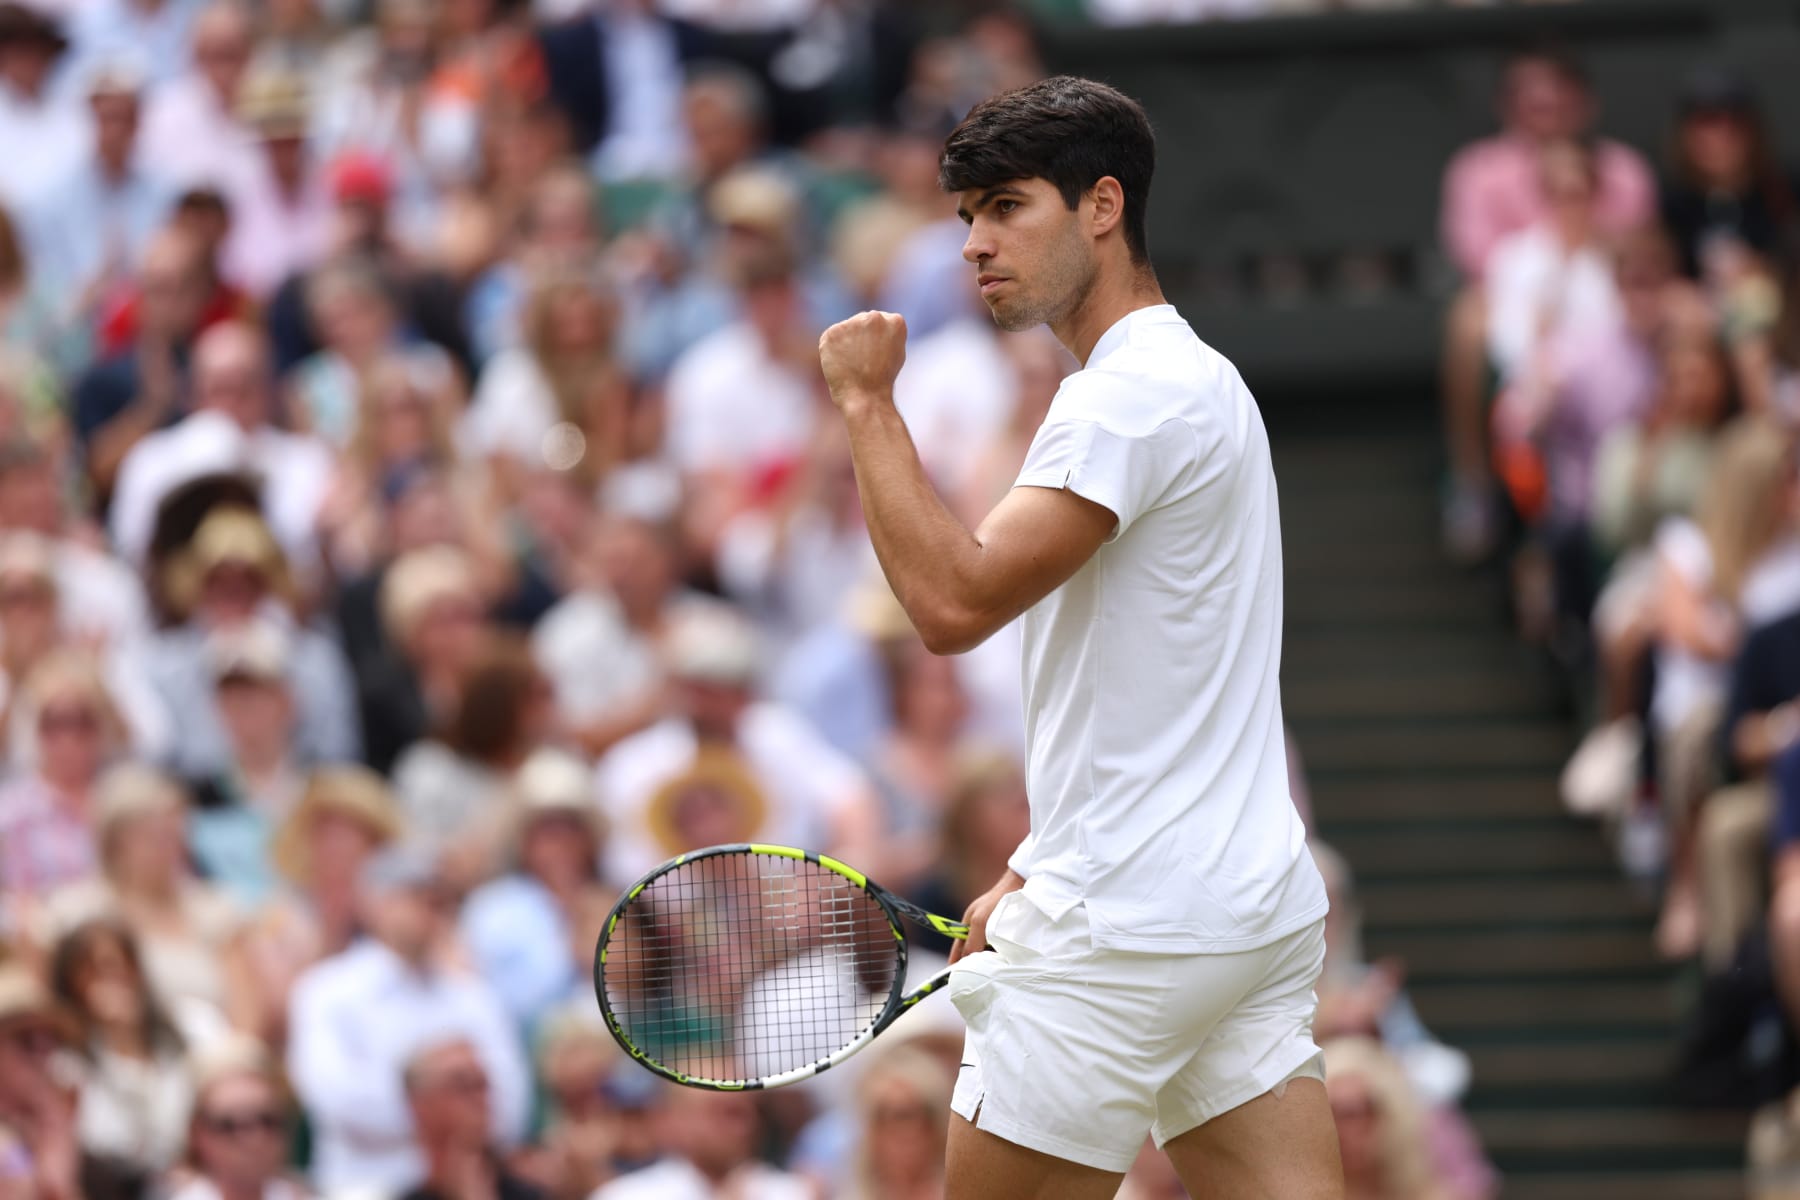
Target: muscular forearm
[931,560]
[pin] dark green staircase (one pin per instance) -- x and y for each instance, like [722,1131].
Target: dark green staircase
[1432,741]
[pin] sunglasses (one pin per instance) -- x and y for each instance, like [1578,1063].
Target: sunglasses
[252,1121]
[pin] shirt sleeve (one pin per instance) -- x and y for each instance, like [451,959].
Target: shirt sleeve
[1126,473]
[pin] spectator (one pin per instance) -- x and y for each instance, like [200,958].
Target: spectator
[38,1101]
[281,207]
[1380,1134]
[600,1120]
[709,1144]
[47,811]
[1725,182]
[357,1018]
[191,128]
[185,930]
[135,1085]
[620,91]
[237,1136]
[432,614]
[237,810]
[44,133]
[531,932]
[559,402]
[559,226]
[791,787]
[123,397]
[344,817]
[94,222]
[903,1099]
[1492,189]
[157,31]
[447,1093]
[231,573]
[453,787]
[916,768]
[985,817]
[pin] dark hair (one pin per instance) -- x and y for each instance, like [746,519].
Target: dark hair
[488,723]
[72,953]
[1547,54]
[1071,132]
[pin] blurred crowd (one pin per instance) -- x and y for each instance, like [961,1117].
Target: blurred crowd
[1622,396]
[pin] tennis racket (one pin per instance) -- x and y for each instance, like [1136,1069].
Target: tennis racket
[753,966]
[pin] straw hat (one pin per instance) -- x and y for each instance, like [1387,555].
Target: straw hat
[419,579]
[351,790]
[716,770]
[554,783]
[228,536]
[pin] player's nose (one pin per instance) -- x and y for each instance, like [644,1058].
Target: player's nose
[977,246]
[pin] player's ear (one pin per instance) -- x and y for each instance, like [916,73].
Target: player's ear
[1106,201]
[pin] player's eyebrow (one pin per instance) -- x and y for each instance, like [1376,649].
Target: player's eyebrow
[982,201]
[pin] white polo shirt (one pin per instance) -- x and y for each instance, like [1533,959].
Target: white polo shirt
[1157,768]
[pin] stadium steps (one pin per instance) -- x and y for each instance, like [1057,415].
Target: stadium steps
[1432,741]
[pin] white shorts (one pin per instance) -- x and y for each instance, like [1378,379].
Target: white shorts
[1079,1052]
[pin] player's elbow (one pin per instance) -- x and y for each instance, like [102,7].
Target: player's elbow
[952,631]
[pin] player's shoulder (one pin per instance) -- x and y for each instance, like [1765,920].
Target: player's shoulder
[1162,371]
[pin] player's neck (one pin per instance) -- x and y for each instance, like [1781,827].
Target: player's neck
[1115,295]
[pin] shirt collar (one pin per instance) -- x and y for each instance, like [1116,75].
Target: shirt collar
[1120,331]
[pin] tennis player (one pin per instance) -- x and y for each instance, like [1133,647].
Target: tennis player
[1147,965]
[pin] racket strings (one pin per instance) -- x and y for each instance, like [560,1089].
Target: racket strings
[745,966]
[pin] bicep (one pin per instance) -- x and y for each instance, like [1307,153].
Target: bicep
[1031,543]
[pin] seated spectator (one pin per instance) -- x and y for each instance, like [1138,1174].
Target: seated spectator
[48,811]
[230,429]
[453,787]
[135,1084]
[356,1019]
[433,617]
[599,1119]
[903,1102]
[1734,566]
[1492,189]
[186,930]
[917,766]
[447,1093]
[43,130]
[532,931]
[559,401]
[1381,1135]
[231,574]
[237,1136]
[985,817]
[559,227]
[39,1101]
[281,206]
[709,1143]
[359,325]
[191,127]
[794,789]
[237,810]
[1725,181]
[157,31]
[345,816]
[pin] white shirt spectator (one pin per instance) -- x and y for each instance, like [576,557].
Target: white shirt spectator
[356,1019]
[1536,289]
[805,783]
[956,393]
[152,35]
[1157,765]
[296,471]
[45,141]
[99,598]
[193,138]
[85,224]
[513,409]
[730,405]
[677,1179]
[584,628]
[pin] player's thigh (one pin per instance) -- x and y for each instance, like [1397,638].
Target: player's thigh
[1282,1145]
[983,1166]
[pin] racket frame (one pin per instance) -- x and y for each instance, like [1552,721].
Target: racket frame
[899,999]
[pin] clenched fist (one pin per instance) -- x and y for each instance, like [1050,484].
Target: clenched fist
[862,356]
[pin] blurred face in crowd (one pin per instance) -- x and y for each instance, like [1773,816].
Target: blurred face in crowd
[71,733]
[425,514]
[353,318]
[904,1139]
[713,708]
[1642,272]
[231,375]
[240,1132]
[26,62]
[28,1048]
[558,847]
[931,702]
[579,318]
[562,217]
[448,634]
[1696,383]
[1718,146]
[222,45]
[1566,174]
[706,814]
[447,1089]
[337,846]
[404,919]
[28,616]
[172,287]
[1358,1116]
[720,131]
[1000,816]
[401,415]
[258,715]
[115,127]
[406,33]
[108,987]
[148,851]
[772,306]
[1034,265]
[1542,102]
[231,593]
[203,217]
[715,1131]
[29,498]
[637,563]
